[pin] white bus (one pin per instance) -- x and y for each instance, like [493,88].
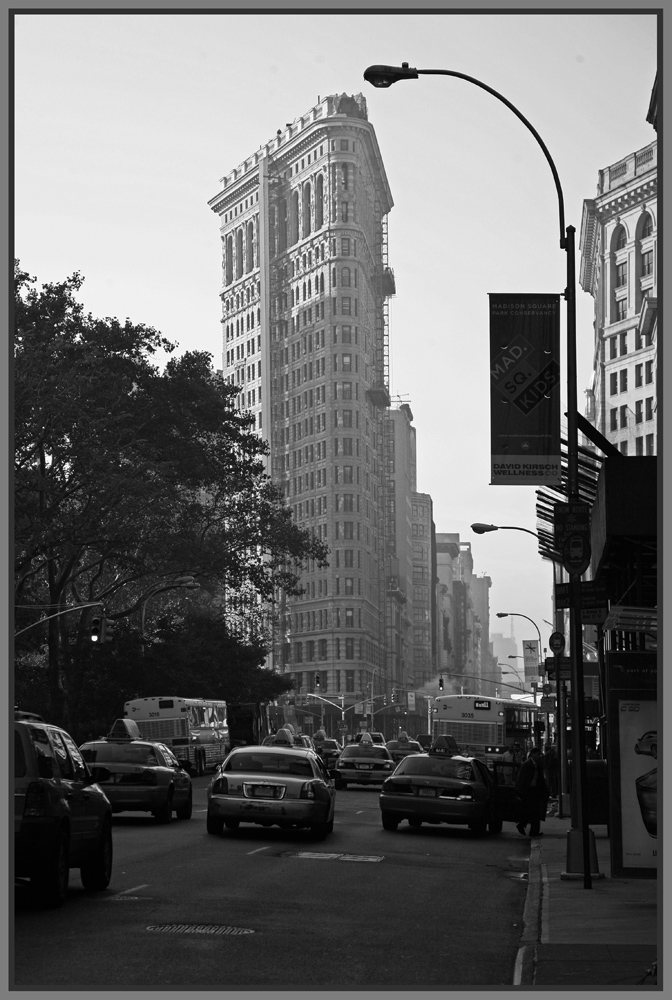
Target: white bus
[195,729]
[484,726]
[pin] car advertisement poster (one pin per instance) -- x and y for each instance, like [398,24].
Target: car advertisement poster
[525,389]
[638,746]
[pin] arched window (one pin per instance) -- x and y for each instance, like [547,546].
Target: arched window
[229,259]
[294,219]
[345,176]
[321,284]
[239,253]
[307,190]
[249,255]
[304,291]
[620,238]
[646,226]
[310,288]
[319,202]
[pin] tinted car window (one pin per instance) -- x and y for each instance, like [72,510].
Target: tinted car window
[329,745]
[64,763]
[168,755]
[269,764]
[119,753]
[19,756]
[365,750]
[46,762]
[437,767]
[81,772]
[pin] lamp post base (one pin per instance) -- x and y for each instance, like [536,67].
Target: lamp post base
[575,856]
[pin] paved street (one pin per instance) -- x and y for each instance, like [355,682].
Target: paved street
[429,907]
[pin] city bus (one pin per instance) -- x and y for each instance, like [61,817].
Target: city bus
[195,729]
[483,726]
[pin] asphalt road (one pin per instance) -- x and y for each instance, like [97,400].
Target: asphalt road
[434,907]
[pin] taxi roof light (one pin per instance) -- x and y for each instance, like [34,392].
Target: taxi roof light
[124,729]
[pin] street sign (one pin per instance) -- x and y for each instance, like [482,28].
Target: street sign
[557,642]
[570,518]
[558,667]
[548,705]
[593,594]
[576,552]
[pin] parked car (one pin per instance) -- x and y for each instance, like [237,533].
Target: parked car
[363,763]
[285,786]
[438,788]
[62,817]
[648,744]
[145,776]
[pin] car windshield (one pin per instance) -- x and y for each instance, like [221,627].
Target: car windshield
[270,763]
[366,750]
[437,767]
[329,745]
[120,753]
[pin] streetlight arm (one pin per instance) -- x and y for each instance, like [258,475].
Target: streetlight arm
[516,614]
[68,611]
[481,529]
[385,76]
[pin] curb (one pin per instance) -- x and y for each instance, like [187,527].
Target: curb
[524,968]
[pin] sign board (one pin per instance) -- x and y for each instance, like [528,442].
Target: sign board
[569,519]
[557,640]
[575,552]
[411,701]
[548,704]
[525,389]
[593,595]
[531,657]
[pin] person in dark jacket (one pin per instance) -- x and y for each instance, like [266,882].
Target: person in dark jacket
[532,792]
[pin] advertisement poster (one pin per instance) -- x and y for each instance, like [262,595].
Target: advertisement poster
[638,748]
[531,659]
[525,390]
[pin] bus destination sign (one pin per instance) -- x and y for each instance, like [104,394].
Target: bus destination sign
[482,705]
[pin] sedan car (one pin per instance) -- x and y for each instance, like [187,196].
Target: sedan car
[329,751]
[364,763]
[272,786]
[144,776]
[62,818]
[402,748]
[648,744]
[434,788]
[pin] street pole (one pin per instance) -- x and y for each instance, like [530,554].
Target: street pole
[385,76]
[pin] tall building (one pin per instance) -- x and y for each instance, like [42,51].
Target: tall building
[304,293]
[619,237]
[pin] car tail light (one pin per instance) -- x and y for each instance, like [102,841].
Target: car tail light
[466,796]
[37,800]
[220,786]
[307,790]
[397,787]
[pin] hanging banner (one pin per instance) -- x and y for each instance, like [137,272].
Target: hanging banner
[531,658]
[525,390]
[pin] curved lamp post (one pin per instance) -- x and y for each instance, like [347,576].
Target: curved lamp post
[385,76]
[481,529]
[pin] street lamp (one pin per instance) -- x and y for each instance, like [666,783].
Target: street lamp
[515,614]
[385,76]
[481,528]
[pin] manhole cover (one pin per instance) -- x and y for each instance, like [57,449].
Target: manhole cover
[198,929]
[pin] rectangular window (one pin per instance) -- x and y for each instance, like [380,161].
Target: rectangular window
[621,274]
[621,308]
[349,585]
[623,379]
[348,529]
[623,447]
[345,246]
[649,372]
[649,408]
[639,375]
[346,305]
[623,346]
[639,415]
[613,419]
[647,262]
[613,383]
[349,649]
[624,416]
[639,446]
[350,681]
[347,362]
[649,444]
[612,348]
[349,617]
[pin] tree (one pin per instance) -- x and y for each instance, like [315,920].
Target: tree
[126,477]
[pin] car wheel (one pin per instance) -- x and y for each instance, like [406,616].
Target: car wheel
[495,826]
[165,813]
[53,876]
[214,824]
[184,812]
[97,872]
[414,821]
[389,822]
[231,824]
[478,827]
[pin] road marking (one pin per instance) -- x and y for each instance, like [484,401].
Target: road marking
[134,889]
[259,849]
[359,812]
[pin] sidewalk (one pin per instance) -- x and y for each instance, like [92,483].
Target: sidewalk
[575,937]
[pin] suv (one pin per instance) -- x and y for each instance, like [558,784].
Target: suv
[62,819]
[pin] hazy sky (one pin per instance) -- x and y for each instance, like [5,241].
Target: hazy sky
[126,122]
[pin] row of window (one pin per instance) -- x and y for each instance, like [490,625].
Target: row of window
[618,381]
[618,344]
[643,446]
[309,683]
[644,410]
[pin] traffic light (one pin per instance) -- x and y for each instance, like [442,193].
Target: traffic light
[384,699]
[96,630]
[394,694]
[107,634]
[317,682]
[440,683]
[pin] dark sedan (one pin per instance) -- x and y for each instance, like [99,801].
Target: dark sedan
[430,788]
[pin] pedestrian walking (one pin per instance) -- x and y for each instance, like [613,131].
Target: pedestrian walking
[532,792]
[512,758]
